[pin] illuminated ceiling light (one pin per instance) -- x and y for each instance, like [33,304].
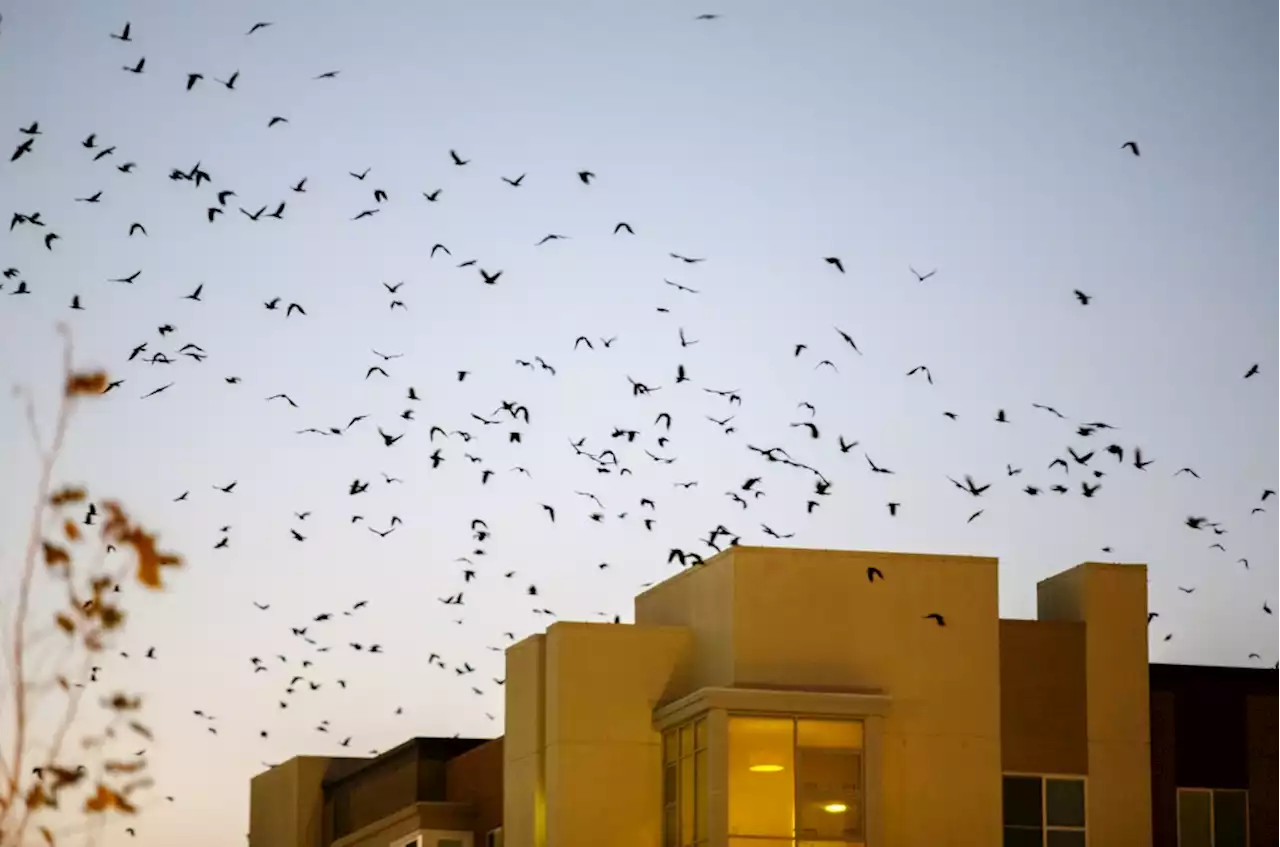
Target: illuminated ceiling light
[765,768]
[835,808]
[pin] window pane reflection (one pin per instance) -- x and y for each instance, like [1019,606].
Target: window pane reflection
[829,801]
[1064,802]
[1229,812]
[1195,828]
[761,776]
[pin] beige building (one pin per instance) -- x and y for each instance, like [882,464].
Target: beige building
[787,698]
[810,698]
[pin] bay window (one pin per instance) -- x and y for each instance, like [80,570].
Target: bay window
[795,781]
[684,785]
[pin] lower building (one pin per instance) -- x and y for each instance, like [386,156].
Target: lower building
[815,698]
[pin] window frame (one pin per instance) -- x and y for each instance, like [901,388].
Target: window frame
[795,718]
[700,738]
[1212,792]
[1045,826]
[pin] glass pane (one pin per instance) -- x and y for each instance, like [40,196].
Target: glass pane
[1015,836]
[686,740]
[686,800]
[845,735]
[761,776]
[1022,804]
[1194,827]
[670,827]
[700,734]
[1229,813]
[1065,838]
[1064,802]
[829,794]
[700,800]
[669,750]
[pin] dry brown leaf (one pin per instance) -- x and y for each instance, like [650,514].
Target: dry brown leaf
[55,556]
[141,730]
[105,799]
[123,703]
[65,623]
[37,798]
[69,494]
[124,767]
[86,383]
[70,529]
[47,836]
[63,684]
[111,616]
[64,777]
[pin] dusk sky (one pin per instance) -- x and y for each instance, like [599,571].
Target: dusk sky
[981,140]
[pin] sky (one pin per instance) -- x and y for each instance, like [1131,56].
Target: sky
[983,142]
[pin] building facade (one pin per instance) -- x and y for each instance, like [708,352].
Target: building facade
[821,698]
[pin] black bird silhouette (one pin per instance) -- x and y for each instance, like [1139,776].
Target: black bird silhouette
[1082,297]
[192,79]
[1253,371]
[514,183]
[124,33]
[230,82]
[433,196]
[457,160]
[919,276]
[872,573]
[936,618]
[327,75]
[623,225]
[276,120]
[835,262]
[586,177]
[1132,145]
[258,26]
[136,69]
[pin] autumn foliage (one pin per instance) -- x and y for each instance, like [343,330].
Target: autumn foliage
[54,784]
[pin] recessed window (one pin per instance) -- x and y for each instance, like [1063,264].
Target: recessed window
[1213,817]
[684,785]
[794,778]
[1044,811]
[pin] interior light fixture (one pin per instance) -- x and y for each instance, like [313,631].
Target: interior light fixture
[835,808]
[765,768]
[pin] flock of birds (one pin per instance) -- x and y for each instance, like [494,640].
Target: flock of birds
[1084,468]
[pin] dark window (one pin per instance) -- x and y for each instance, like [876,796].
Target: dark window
[1042,811]
[1212,817]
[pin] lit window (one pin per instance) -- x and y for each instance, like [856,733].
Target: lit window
[684,785]
[1213,817]
[796,778]
[1043,811]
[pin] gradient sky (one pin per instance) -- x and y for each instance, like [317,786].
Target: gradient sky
[983,141]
